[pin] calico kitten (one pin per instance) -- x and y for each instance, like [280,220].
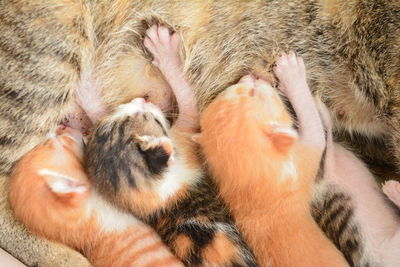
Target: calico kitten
[265,169]
[141,165]
[51,195]
[49,47]
[134,163]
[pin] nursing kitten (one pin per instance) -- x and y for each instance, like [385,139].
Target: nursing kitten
[133,163]
[351,209]
[50,193]
[265,169]
[141,165]
[48,48]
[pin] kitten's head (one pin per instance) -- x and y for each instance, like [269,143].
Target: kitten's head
[48,187]
[130,149]
[251,108]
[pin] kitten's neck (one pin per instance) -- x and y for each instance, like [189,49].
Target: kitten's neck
[178,179]
[185,172]
[108,216]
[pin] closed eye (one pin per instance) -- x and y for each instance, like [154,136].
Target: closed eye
[162,127]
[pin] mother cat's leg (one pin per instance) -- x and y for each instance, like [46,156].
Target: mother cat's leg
[41,53]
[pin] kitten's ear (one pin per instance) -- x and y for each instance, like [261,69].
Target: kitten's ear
[282,137]
[157,152]
[147,142]
[63,185]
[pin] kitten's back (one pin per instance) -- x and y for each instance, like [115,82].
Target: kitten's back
[51,195]
[265,176]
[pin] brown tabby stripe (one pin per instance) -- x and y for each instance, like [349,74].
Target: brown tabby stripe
[334,214]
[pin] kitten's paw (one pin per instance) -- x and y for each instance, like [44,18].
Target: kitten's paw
[290,71]
[165,47]
[392,191]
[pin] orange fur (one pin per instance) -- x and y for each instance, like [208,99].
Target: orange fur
[221,251]
[183,246]
[146,202]
[265,176]
[68,215]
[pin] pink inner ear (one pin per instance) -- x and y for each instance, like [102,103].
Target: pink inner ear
[61,184]
[282,137]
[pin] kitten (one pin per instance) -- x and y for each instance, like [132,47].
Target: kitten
[51,195]
[141,165]
[265,169]
[351,209]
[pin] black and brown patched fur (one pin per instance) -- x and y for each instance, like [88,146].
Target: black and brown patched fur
[193,221]
[351,49]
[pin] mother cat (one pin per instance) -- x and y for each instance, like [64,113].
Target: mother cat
[49,48]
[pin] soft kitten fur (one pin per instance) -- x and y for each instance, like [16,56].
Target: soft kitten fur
[51,195]
[49,47]
[351,209]
[134,163]
[265,174]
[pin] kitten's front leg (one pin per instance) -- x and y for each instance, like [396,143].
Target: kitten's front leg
[165,47]
[291,73]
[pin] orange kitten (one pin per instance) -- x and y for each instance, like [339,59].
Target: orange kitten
[265,169]
[51,195]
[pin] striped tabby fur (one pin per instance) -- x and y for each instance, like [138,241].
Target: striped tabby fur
[48,47]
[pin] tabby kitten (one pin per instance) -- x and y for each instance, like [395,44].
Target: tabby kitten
[50,194]
[351,209]
[133,163]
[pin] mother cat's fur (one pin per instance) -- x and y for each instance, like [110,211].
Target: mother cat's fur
[48,48]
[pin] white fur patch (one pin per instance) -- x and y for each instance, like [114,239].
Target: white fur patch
[289,170]
[176,177]
[108,216]
[127,110]
[51,134]
[266,88]
[140,107]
